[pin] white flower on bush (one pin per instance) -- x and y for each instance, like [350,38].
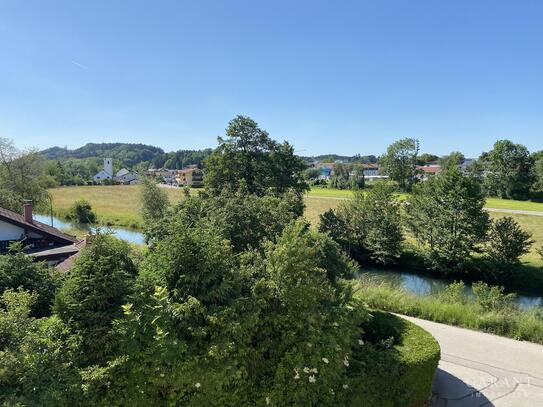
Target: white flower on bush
[267,401]
[345,386]
[198,385]
[306,370]
[346,361]
[314,370]
[325,360]
[360,342]
[312,379]
[297,375]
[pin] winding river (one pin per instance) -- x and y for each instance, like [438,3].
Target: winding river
[414,283]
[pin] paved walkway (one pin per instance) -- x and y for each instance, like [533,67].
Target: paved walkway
[515,211]
[478,369]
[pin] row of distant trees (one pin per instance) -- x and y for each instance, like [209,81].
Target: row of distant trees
[508,171]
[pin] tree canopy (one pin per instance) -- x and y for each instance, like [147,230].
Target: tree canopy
[446,216]
[250,159]
[510,171]
[399,162]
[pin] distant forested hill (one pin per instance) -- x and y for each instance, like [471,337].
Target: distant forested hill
[125,154]
[129,155]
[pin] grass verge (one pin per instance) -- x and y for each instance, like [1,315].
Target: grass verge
[513,323]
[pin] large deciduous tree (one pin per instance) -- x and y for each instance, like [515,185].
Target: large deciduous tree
[399,162]
[249,158]
[510,171]
[446,216]
[22,176]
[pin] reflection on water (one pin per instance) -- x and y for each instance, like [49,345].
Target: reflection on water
[128,235]
[425,285]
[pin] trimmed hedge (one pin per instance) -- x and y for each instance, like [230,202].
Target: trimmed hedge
[396,365]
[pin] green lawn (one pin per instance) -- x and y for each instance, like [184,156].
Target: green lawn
[496,203]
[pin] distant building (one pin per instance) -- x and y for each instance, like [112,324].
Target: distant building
[190,177]
[167,176]
[126,177]
[107,172]
[40,241]
[428,170]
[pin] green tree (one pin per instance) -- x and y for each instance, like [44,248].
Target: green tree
[91,297]
[426,158]
[538,170]
[249,158]
[21,175]
[455,159]
[246,220]
[154,201]
[507,242]
[81,212]
[18,271]
[266,337]
[368,224]
[446,216]
[510,171]
[399,162]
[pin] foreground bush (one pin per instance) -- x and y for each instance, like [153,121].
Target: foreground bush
[398,353]
[274,326]
[467,313]
[18,271]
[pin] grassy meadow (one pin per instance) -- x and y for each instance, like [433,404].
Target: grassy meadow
[115,205]
[494,203]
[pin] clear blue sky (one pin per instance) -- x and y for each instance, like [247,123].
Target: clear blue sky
[329,76]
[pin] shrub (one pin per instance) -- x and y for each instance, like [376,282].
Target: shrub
[93,292]
[507,242]
[454,293]
[398,353]
[81,212]
[38,356]
[492,298]
[245,220]
[274,324]
[370,224]
[18,271]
